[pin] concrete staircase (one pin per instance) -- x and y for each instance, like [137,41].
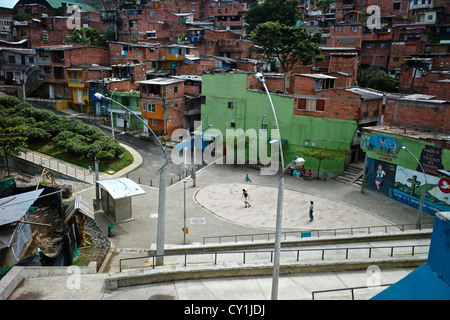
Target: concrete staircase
[55,282]
[314,255]
[353,174]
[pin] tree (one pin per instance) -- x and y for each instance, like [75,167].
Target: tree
[13,141]
[283,11]
[290,44]
[86,36]
[380,81]
[324,153]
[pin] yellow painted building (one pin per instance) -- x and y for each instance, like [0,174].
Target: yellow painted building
[75,80]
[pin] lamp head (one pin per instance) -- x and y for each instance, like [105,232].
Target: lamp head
[404,148]
[260,77]
[98,95]
[298,161]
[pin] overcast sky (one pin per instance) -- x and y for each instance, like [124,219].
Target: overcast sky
[8,3]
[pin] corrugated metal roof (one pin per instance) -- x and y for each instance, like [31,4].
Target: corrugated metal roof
[317,76]
[121,187]
[79,204]
[13,208]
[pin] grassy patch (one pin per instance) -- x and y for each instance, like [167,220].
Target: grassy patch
[50,149]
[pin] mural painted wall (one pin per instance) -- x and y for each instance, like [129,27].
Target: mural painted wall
[394,172]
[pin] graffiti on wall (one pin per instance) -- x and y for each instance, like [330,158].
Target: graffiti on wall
[386,175]
[405,185]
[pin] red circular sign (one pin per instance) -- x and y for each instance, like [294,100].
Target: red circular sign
[444,185]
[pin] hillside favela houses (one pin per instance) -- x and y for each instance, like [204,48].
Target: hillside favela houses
[178,62]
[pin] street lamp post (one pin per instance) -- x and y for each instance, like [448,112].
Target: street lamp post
[195,155]
[422,196]
[277,249]
[162,188]
[111,113]
[184,197]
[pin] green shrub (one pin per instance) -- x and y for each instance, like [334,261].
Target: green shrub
[38,135]
[105,156]
[9,101]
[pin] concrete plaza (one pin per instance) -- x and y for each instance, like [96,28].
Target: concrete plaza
[215,208]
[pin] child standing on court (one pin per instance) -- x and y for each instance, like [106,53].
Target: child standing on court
[311,211]
[246,198]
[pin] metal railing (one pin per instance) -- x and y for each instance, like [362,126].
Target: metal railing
[297,252]
[351,289]
[58,166]
[310,233]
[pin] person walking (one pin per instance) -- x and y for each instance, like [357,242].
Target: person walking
[311,211]
[246,198]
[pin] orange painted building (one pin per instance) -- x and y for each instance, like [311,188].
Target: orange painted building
[162,103]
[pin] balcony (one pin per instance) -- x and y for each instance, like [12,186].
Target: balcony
[76,83]
[421,4]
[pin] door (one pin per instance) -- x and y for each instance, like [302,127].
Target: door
[51,92]
[79,96]
[98,108]
[119,119]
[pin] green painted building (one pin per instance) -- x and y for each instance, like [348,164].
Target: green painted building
[121,117]
[230,105]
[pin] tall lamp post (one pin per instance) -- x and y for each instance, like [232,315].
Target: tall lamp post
[422,196]
[162,187]
[298,161]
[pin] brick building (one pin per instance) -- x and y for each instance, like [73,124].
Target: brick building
[417,112]
[50,21]
[53,61]
[147,24]
[133,61]
[163,104]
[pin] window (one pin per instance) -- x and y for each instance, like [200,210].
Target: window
[45,36]
[338,28]
[144,106]
[384,46]
[311,105]
[397,5]
[369,45]
[233,124]
[58,72]
[230,105]
[12,59]
[354,28]
[154,122]
[175,89]
[151,34]
[151,107]
[365,108]
[264,127]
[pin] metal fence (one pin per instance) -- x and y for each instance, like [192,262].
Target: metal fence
[289,254]
[315,233]
[59,166]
